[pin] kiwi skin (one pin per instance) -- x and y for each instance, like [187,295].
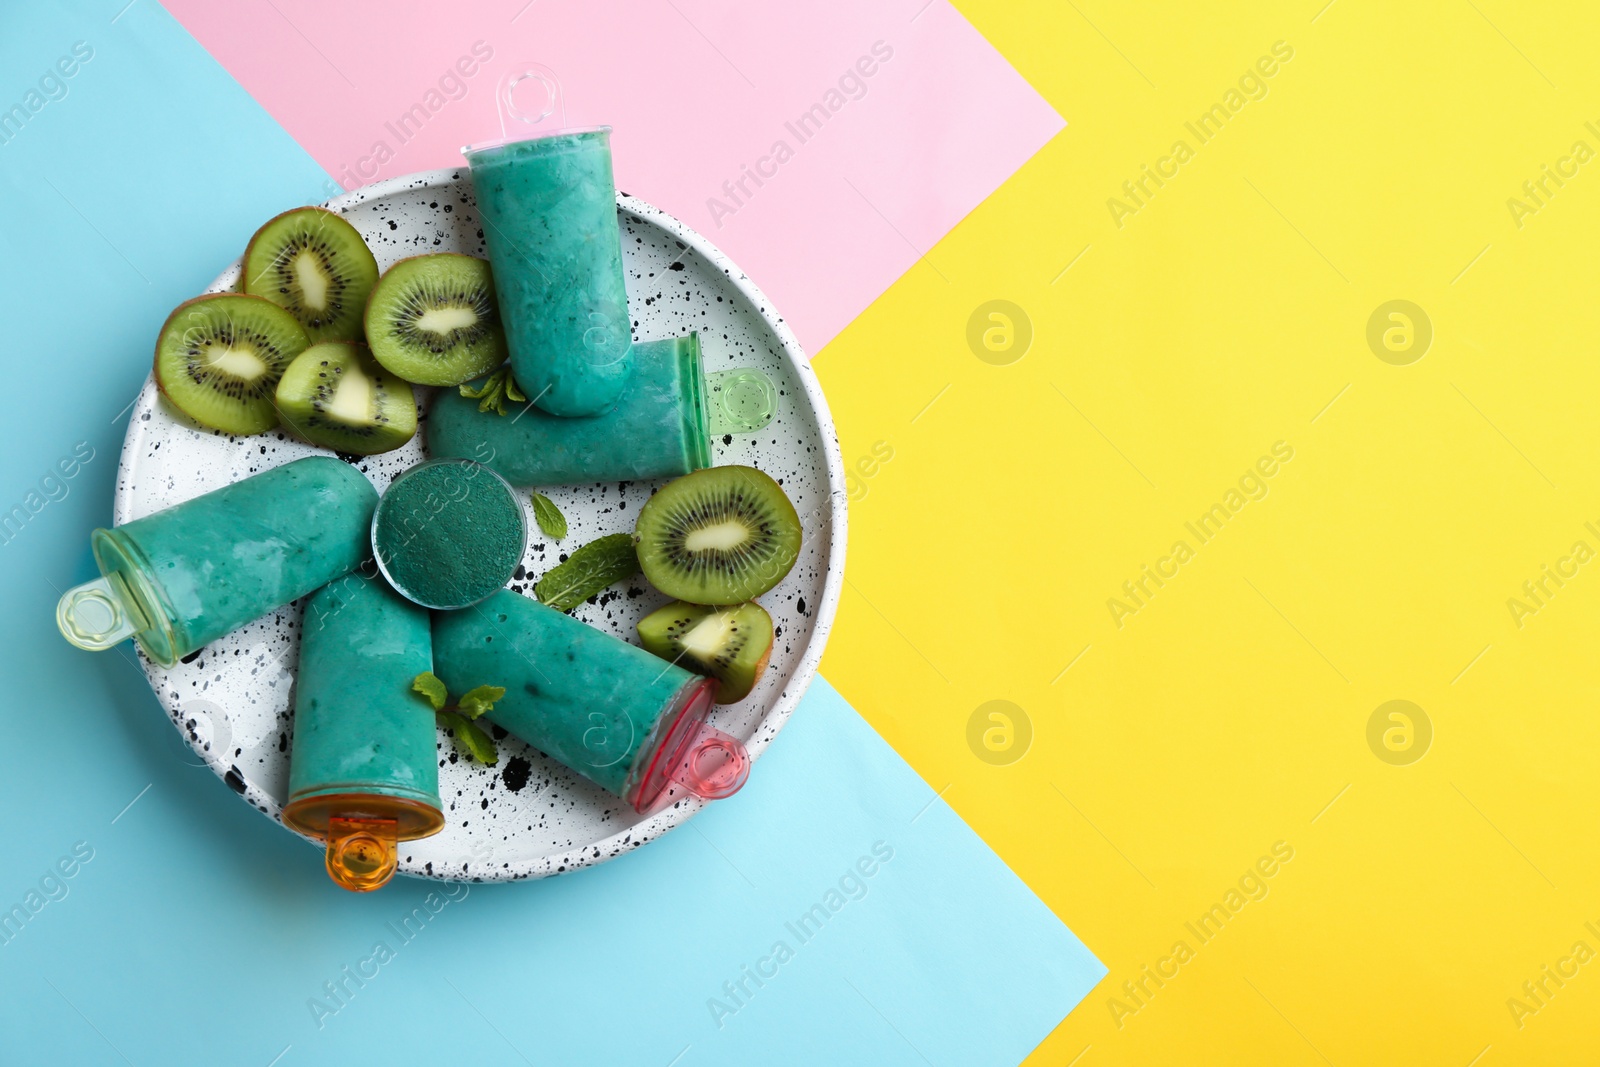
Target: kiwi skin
[662,632]
[703,501]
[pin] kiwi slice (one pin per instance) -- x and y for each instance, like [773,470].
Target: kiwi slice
[337,396]
[722,535]
[314,265]
[432,319]
[731,645]
[219,359]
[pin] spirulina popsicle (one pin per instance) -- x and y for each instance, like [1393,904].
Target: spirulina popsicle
[660,428]
[363,770]
[603,707]
[181,578]
[549,206]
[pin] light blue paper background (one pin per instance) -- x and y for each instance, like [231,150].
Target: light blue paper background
[199,932]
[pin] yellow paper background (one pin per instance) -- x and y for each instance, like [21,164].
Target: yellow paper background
[1228,313]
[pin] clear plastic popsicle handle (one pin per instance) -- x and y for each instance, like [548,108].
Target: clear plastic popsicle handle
[714,765]
[742,400]
[97,615]
[511,114]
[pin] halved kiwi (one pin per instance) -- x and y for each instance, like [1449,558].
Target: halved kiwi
[337,396]
[219,359]
[731,645]
[432,319]
[314,265]
[721,535]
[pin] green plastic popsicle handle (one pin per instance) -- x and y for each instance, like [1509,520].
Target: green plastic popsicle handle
[743,400]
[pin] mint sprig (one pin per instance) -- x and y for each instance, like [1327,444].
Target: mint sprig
[495,391]
[458,718]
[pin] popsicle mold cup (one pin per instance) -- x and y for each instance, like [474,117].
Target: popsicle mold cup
[548,200]
[661,427]
[363,768]
[179,579]
[631,723]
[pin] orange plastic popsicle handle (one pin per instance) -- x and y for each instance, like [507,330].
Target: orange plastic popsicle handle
[361,852]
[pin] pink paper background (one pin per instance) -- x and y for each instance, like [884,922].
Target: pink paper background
[696,90]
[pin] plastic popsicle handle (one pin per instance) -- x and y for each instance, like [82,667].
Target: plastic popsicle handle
[742,400]
[511,113]
[362,853]
[98,614]
[713,766]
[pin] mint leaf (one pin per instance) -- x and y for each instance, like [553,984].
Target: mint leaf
[495,391]
[549,517]
[486,389]
[432,689]
[588,570]
[473,741]
[480,700]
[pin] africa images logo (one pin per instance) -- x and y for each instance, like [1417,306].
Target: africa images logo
[1252,85]
[1252,485]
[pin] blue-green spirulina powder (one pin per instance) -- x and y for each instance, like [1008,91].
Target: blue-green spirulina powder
[448,533]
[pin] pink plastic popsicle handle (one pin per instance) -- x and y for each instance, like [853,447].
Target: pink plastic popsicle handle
[713,766]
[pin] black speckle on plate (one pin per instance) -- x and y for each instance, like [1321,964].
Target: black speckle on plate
[515,774]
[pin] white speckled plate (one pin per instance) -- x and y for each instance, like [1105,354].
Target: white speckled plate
[527,817]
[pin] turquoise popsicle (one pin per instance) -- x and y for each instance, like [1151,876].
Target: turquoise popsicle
[661,426]
[183,577]
[550,222]
[658,429]
[631,723]
[363,768]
